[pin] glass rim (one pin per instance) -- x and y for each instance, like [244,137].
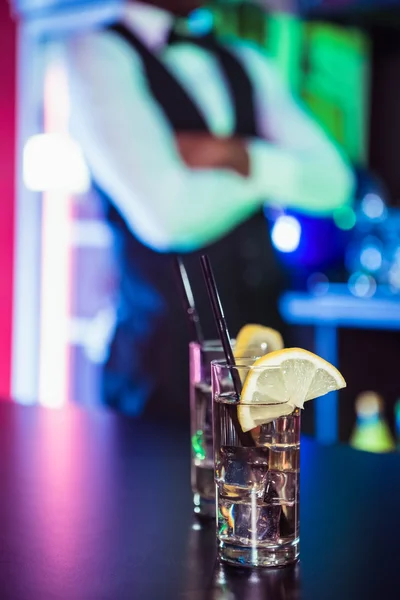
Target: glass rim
[247,363]
[216,344]
[211,344]
[237,402]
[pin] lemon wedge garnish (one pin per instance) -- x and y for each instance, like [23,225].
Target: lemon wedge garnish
[257,340]
[281,381]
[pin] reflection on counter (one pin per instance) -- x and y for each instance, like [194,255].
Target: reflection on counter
[232,583]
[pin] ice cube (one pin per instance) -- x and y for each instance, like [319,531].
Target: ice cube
[282,487]
[282,493]
[255,523]
[268,524]
[242,471]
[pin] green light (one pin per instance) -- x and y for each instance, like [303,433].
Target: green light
[198,445]
[345,218]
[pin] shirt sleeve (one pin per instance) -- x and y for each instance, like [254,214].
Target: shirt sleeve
[296,163]
[131,151]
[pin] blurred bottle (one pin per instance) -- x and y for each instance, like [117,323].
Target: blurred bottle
[371,432]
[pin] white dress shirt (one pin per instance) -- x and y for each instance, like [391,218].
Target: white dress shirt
[131,150]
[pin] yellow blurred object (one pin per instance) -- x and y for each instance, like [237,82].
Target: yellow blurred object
[257,338]
[371,432]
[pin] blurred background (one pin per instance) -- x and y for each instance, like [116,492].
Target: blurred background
[59,282]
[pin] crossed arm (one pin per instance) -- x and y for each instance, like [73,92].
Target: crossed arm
[183,192]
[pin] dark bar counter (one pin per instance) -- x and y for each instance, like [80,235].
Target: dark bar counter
[94,506]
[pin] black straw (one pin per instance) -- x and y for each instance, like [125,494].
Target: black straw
[245,438]
[188,300]
[220,321]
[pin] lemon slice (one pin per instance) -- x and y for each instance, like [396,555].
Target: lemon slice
[257,337]
[282,381]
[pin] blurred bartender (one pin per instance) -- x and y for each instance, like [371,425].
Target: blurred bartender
[186,139]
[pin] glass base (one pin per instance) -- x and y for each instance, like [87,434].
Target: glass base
[246,556]
[203,507]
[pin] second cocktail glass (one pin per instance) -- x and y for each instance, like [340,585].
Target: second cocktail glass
[202,465]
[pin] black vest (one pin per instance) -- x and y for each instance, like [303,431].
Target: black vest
[152,336]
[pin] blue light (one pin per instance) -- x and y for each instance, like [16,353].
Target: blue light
[397,415]
[286,234]
[371,258]
[373,207]
[394,278]
[200,22]
[362,285]
[318,284]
